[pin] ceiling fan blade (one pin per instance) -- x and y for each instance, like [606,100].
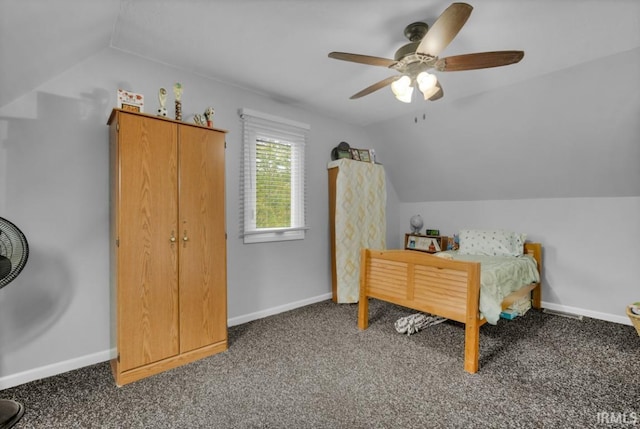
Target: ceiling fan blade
[376,86]
[480,60]
[362,59]
[438,95]
[444,29]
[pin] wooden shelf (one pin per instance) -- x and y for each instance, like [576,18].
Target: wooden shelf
[425,243]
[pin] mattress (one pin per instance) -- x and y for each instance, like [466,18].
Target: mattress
[499,276]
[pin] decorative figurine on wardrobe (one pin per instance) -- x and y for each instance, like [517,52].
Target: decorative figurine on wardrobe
[177,91]
[162,98]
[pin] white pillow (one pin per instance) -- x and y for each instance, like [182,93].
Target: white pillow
[491,242]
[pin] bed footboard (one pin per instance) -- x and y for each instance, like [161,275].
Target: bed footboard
[431,284]
[425,283]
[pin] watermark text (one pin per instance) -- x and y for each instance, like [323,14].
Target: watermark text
[630,418]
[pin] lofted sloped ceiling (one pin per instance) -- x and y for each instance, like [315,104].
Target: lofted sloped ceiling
[561,123]
[279,47]
[554,136]
[40,39]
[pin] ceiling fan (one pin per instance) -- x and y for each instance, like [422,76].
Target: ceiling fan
[414,59]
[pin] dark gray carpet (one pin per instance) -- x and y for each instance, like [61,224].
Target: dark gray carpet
[313,368]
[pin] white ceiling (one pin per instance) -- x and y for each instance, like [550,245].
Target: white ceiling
[279,47]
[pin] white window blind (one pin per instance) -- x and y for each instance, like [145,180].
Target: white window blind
[273,176]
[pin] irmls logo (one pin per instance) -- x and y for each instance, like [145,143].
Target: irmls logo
[627,418]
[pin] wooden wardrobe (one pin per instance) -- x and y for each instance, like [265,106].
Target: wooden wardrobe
[168,243]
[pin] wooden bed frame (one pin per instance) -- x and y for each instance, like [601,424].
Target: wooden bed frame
[434,285]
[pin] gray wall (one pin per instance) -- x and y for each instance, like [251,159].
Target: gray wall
[590,251]
[54,184]
[567,175]
[557,157]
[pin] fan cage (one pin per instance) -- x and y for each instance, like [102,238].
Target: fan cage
[14,247]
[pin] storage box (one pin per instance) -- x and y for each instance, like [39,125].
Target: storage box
[518,308]
[509,314]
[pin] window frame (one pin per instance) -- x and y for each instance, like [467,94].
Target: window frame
[258,126]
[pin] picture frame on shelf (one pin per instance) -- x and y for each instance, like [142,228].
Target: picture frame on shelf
[355,154]
[365,155]
[431,244]
[130,101]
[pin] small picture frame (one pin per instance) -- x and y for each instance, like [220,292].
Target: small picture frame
[365,155]
[355,154]
[428,244]
[130,101]
[433,244]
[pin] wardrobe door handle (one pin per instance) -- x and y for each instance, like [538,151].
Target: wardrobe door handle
[172,239]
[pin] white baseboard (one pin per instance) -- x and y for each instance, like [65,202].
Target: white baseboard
[624,320]
[276,310]
[92,359]
[54,369]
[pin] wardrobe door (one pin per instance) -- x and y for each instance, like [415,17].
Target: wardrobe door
[147,257]
[202,253]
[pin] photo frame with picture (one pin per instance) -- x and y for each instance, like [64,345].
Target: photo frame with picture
[130,101]
[355,154]
[365,155]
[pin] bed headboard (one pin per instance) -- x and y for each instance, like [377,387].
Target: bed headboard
[535,250]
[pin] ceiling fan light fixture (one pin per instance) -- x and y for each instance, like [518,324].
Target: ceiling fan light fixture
[403,89]
[400,86]
[406,97]
[427,84]
[430,93]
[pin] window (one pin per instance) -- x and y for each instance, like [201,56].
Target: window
[274,192]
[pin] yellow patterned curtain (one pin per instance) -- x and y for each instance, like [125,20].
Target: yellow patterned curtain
[360,220]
